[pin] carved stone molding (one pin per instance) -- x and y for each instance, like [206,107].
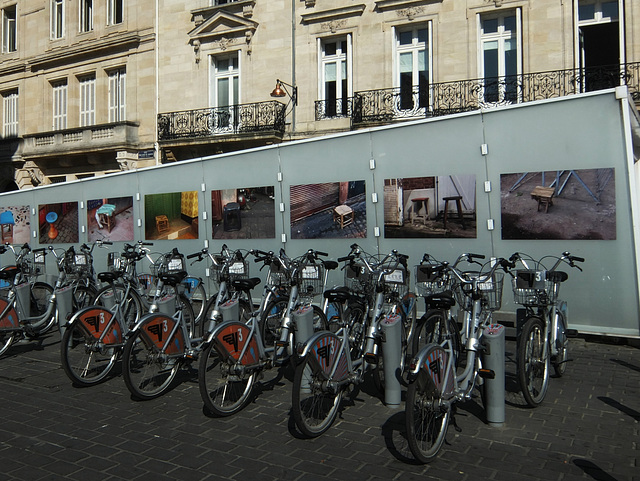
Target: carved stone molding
[410,12]
[327,16]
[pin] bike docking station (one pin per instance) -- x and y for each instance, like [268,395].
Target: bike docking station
[493,363]
[64,305]
[303,322]
[392,353]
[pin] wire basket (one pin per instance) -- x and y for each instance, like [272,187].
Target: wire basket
[311,280]
[114,262]
[532,288]
[430,280]
[490,290]
[78,265]
[397,281]
[357,278]
[169,264]
[34,264]
[239,269]
[278,275]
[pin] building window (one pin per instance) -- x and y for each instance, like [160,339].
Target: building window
[10,113]
[335,75]
[87,100]
[500,56]
[59,105]
[57,19]
[115,12]
[9,32]
[117,95]
[225,91]
[412,67]
[86,15]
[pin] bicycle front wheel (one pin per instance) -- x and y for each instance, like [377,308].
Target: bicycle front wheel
[83,296]
[434,327]
[85,360]
[532,362]
[427,419]
[315,405]
[147,371]
[271,321]
[224,391]
[6,339]
[131,306]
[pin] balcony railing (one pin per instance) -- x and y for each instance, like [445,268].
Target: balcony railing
[387,105]
[331,109]
[235,119]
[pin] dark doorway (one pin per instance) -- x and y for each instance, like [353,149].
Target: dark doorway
[600,47]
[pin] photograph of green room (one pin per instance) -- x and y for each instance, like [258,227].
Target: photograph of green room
[171,215]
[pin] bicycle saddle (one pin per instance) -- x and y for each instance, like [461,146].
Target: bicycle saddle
[173,279]
[245,284]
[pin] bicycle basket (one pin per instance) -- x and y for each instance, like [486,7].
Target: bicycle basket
[430,281]
[114,262]
[357,278]
[490,290]
[532,288]
[311,280]
[170,264]
[78,265]
[397,281]
[278,275]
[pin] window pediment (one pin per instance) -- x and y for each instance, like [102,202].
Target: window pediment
[243,7]
[333,14]
[222,25]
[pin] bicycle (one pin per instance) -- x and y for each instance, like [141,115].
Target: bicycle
[16,319]
[543,338]
[331,362]
[95,336]
[30,266]
[434,383]
[236,353]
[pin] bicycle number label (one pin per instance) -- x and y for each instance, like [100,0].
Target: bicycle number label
[234,339]
[96,321]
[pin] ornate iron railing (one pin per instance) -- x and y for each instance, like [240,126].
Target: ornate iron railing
[386,105]
[331,109]
[235,119]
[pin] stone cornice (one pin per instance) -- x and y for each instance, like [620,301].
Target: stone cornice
[333,14]
[382,5]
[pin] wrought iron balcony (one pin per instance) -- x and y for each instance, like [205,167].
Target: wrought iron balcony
[235,119]
[331,109]
[387,105]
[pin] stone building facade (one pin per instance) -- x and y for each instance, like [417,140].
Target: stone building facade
[89,87]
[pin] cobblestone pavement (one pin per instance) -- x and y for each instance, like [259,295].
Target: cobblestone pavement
[587,428]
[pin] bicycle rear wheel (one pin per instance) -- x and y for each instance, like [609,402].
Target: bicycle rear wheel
[132,306]
[533,365]
[315,405]
[86,361]
[224,391]
[147,371]
[427,419]
[6,339]
[435,327]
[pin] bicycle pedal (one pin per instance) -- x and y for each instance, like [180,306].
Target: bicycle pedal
[371,358]
[282,344]
[571,333]
[487,373]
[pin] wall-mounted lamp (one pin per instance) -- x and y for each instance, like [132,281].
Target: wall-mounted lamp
[281,91]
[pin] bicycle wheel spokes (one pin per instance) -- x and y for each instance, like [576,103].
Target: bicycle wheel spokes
[85,360]
[225,388]
[533,362]
[148,372]
[315,405]
[6,339]
[427,419]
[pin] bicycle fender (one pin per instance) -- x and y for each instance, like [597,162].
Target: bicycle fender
[94,320]
[154,329]
[230,339]
[433,360]
[324,347]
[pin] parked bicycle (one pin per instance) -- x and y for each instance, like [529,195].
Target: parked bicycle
[434,383]
[30,266]
[332,362]
[236,351]
[17,321]
[543,338]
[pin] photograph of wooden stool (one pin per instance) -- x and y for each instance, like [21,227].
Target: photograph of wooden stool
[458,200]
[544,196]
[105,216]
[344,215]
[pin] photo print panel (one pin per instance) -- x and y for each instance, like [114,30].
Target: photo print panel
[335,210]
[564,204]
[430,207]
[172,215]
[110,219]
[15,222]
[246,213]
[58,223]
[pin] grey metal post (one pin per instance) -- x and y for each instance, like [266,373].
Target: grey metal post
[392,352]
[64,306]
[303,321]
[230,310]
[493,359]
